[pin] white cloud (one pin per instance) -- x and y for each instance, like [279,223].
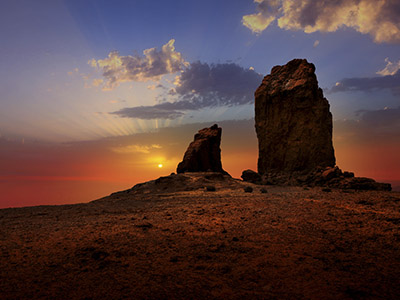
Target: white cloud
[257,22]
[378,18]
[151,66]
[97,82]
[390,69]
[267,14]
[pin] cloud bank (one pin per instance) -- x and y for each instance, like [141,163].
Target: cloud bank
[378,18]
[199,86]
[218,84]
[381,126]
[151,66]
[390,82]
[388,118]
[389,79]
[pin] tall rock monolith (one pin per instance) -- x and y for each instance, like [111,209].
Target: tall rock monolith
[293,122]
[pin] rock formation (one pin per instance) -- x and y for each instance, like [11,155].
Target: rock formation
[336,178]
[293,121]
[294,131]
[204,153]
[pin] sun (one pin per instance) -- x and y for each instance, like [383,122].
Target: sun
[160,165]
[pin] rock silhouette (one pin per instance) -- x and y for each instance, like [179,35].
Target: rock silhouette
[294,130]
[293,121]
[336,178]
[204,153]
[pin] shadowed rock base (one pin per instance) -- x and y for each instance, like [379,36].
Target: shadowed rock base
[328,177]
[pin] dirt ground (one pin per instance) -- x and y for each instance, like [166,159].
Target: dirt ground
[288,243]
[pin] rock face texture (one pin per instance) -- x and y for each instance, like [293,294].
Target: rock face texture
[293,121]
[294,131]
[204,153]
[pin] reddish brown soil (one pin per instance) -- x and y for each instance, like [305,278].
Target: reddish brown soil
[288,243]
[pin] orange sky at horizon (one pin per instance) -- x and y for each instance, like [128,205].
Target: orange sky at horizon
[83,171]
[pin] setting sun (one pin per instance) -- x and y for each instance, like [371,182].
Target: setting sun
[160,165]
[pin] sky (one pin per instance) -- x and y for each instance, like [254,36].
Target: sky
[96,95]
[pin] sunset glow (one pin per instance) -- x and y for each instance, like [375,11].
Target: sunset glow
[97,97]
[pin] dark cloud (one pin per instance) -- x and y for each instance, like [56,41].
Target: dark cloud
[389,117]
[225,84]
[159,111]
[381,126]
[391,82]
[199,86]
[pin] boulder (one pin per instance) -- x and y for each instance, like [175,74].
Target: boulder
[204,153]
[251,176]
[330,173]
[293,121]
[347,174]
[362,183]
[336,178]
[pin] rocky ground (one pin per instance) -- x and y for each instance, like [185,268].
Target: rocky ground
[166,240]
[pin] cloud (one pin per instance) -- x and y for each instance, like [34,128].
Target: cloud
[129,149]
[153,87]
[151,66]
[268,10]
[384,118]
[372,125]
[391,82]
[378,18]
[97,82]
[199,86]
[215,84]
[159,111]
[390,69]
[316,43]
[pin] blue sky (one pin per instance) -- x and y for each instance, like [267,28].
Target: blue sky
[46,46]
